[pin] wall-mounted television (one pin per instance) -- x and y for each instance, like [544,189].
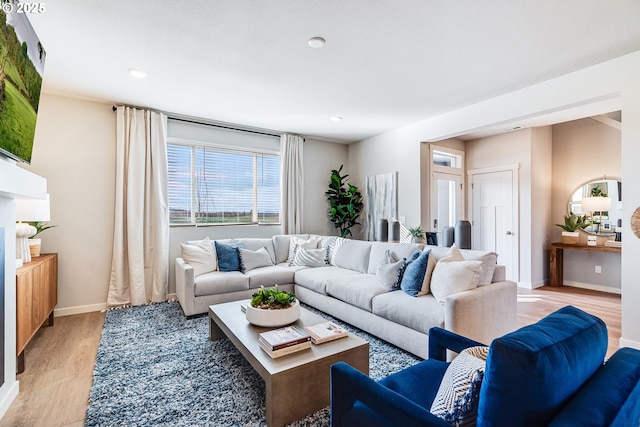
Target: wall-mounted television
[21,69]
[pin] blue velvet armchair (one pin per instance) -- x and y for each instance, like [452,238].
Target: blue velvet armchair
[551,373]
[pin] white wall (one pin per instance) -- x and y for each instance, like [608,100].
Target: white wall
[614,80]
[585,150]
[75,150]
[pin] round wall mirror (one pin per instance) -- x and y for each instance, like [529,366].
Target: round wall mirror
[601,201]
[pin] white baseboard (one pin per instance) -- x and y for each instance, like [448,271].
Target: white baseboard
[628,343]
[68,311]
[9,397]
[593,287]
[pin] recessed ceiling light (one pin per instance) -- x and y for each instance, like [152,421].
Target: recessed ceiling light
[336,118]
[138,74]
[316,42]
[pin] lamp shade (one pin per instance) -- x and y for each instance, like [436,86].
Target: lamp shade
[33,209]
[596,204]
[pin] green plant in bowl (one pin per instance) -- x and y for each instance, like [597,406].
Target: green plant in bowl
[270,299]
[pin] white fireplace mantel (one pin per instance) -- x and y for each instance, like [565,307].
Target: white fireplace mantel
[16,181]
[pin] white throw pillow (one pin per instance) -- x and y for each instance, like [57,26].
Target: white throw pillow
[454,254]
[333,249]
[452,277]
[312,243]
[387,271]
[457,399]
[200,255]
[309,257]
[253,259]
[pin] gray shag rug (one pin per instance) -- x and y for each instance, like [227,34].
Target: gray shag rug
[155,367]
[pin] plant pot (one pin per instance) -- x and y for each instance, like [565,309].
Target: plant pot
[273,318]
[34,247]
[415,239]
[570,237]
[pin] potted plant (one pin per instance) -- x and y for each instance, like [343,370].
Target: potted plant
[345,203]
[35,244]
[417,234]
[272,307]
[573,223]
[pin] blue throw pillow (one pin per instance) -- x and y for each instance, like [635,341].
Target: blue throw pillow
[228,258]
[413,275]
[402,269]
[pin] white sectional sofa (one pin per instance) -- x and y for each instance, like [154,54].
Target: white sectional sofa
[351,289]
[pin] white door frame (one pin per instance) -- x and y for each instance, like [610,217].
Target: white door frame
[515,193]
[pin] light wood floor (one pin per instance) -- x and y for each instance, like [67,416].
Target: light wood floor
[54,389]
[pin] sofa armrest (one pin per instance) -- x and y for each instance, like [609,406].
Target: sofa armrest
[374,404]
[483,313]
[441,340]
[185,287]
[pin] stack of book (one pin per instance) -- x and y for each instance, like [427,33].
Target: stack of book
[283,341]
[325,332]
[613,244]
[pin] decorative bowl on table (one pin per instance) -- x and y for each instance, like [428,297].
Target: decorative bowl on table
[272,308]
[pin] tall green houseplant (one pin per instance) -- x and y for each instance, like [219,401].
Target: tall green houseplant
[345,202]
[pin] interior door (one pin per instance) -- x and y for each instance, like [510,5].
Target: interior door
[446,205]
[495,217]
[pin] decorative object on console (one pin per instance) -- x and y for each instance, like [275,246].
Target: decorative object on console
[463,234]
[345,203]
[417,234]
[272,308]
[635,222]
[592,240]
[448,236]
[596,206]
[394,231]
[572,223]
[382,230]
[33,212]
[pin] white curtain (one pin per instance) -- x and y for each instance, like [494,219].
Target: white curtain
[292,181]
[140,260]
[381,200]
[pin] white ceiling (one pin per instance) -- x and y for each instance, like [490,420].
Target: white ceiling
[386,63]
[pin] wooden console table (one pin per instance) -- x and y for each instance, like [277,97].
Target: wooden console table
[36,296]
[556,252]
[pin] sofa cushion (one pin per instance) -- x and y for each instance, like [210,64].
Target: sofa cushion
[269,276]
[310,257]
[398,250]
[452,277]
[420,314]
[228,258]
[250,260]
[413,275]
[201,255]
[255,243]
[316,278]
[426,283]
[405,263]
[387,271]
[410,383]
[488,259]
[357,290]
[533,372]
[457,398]
[353,255]
[281,245]
[310,243]
[218,282]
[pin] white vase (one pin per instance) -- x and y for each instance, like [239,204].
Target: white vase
[273,318]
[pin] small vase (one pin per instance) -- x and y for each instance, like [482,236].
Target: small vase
[273,318]
[34,247]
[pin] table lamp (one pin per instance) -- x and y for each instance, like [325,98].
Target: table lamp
[596,204]
[28,210]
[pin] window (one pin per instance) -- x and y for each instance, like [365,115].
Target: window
[212,185]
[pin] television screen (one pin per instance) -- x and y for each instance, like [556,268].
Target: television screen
[21,68]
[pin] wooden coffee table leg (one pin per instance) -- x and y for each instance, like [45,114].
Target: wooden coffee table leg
[215,333]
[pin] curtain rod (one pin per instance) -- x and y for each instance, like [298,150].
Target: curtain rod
[194,120]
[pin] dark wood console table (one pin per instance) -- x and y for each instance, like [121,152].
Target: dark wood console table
[556,252]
